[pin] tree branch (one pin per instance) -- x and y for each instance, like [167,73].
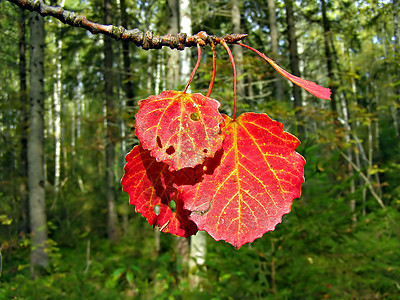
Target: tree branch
[146,40]
[365,178]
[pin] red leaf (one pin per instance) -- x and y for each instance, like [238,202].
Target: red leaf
[313,88]
[253,186]
[179,129]
[150,184]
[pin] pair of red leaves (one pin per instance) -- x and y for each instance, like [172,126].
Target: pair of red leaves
[199,170]
[232,178]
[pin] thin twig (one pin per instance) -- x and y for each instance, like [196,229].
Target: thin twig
[165,225]
[146,40]
[88,261]
[365,178]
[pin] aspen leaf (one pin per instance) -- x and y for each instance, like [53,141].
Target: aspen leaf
[311,87]
[251,186]
[179,129]
[150,188]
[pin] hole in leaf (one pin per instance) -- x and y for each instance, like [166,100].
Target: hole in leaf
[170,150]
[195,116]
[159,142]
[157,209]
[172,205]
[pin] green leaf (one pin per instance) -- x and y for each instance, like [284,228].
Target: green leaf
[129,277]
[5,220]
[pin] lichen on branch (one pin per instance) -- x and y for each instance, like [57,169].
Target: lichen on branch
[147,40]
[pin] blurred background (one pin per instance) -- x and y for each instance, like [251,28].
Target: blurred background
[342,238]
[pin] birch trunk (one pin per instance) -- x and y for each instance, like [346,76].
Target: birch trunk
[197,250]
[238,51]
[159,77]
[173,69]
[76,110]
[57,94]
[185,26]
[36,179]
[171,83]
[183,73]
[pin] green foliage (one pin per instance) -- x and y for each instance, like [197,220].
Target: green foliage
[324,255]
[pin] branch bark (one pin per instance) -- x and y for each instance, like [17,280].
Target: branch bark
[147,40]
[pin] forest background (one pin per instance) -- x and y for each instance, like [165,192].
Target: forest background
[342,238]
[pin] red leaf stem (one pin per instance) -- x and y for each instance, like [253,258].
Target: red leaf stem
[234,76]
[195,67]
[213,71]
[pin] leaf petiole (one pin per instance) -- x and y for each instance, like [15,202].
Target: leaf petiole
[223,43]
[213,71]
[195,67]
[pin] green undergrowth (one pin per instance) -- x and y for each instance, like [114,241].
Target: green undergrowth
[313,254]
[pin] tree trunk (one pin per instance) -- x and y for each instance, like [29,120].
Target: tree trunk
[159,77]
[275,48]
[57,94]
[185,26]
[173,55]
[344,107]
[76,113]
[111,130]
[294,65]
[36,178]
[172,81]
[328,56]
[23,190]
[396,43]
[197,251]
[238,51]
[126,104]
[129,94]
